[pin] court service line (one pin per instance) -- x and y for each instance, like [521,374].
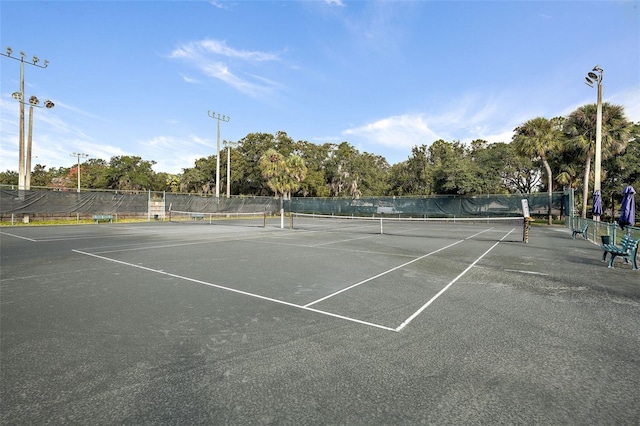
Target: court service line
[381,274]
[343,241]
[293,305]
[475,235]
[441,292]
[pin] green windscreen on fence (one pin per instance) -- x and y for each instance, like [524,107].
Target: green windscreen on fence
[436,206]
[50,202]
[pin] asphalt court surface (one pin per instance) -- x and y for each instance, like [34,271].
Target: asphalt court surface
[163,323]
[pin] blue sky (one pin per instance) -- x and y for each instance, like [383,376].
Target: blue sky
[138,78]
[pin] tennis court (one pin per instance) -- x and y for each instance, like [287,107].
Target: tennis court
[244,322]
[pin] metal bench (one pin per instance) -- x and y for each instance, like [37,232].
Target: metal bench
[627,250]
[104,217]
[582,231]
[197,216]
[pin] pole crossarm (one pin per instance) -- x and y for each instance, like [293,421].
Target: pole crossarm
[34,60]
[33,101]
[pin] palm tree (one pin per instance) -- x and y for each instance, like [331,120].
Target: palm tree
[536,139]
[284,176]
[296,171]
[580,127]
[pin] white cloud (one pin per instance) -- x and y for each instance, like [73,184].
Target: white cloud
[218,4]
[630,99]
[173,154]
[190,80]
[469,118]
[215,59]
[401,131]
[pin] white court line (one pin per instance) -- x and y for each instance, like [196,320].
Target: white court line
[481,232]
[526,272]
[157,271]
[343,241]
[18,236]
[321,247]
[155,246]
[381,274]
[69,238]
[433,299]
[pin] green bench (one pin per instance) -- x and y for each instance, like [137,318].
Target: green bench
[104,217]
[582,231]
[197,216]
[627,250]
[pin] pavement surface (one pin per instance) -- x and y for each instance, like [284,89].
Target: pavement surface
[179,324]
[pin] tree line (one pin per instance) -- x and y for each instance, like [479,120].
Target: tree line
[543,155]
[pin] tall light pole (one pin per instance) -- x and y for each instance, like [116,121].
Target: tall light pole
[22,171]
[33,102]
[229,145]
[595,77]
[79,155]
[219,118]
[26,160]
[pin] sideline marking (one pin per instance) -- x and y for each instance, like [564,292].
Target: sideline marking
[381,274]
[157,271]
[18,236]
[433,299]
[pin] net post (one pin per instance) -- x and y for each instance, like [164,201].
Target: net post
[525,230]
[264,223]
[381,229]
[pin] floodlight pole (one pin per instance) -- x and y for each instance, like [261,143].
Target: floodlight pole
[226,119]
[592,78]
[23,181]
[229,145]
[33,102]
[79,154]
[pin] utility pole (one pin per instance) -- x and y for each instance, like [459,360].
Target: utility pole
[229,145]
[79,154]
[219,118]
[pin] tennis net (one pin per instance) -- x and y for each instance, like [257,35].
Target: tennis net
[490,227]
[255,219]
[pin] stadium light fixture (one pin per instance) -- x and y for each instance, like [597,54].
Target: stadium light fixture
[595,77]
[225,118]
